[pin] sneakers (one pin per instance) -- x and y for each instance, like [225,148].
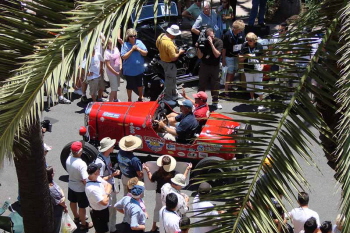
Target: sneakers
[102,100]
[78,92]
[217,106]
[63,100]
[261,108]
[84,99]
[252,99]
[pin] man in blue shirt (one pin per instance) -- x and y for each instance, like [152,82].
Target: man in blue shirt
[130,166]
[186,126]
[134,218]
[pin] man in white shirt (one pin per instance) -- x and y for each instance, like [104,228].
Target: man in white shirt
[176,184]
[168,218]
[98,191]
[77,170]
[108,173]
[301,214]
[200,206]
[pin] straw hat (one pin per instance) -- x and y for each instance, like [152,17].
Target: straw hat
[179,179]
[106,143]
[130,143]
[168,168]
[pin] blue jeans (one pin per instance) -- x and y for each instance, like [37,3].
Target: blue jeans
[261,4]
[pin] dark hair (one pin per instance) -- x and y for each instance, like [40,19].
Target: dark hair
[184,223]
[310,225]
[171,201]
[284,24]
[303,198]
[326,227]
[49,173]
[166,160]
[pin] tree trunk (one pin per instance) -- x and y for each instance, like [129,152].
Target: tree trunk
[35,199]
[286,9]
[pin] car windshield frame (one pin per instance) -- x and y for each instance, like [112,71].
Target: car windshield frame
[148,13]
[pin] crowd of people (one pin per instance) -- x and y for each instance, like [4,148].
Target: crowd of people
[96,186]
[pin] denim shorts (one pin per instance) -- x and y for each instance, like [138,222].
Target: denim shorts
[232,64]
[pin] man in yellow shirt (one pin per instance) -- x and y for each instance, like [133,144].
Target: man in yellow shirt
[169,53]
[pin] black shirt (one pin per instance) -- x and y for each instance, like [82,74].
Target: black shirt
[162,179]
[257,50]
[208,55]
[230,40]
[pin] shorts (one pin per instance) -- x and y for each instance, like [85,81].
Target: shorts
[95,85]
[100,219]
[133,82]
[254,78]
[232,64]
[113,81]
[78,197]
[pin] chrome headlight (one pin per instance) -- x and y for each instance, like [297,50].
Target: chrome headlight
[191,52]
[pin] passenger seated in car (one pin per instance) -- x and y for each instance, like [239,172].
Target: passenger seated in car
[200,111]
[187,124]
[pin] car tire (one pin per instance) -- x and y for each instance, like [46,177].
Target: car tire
[89,153]
[210,161]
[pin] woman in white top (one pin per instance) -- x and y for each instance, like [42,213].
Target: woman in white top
[113,66]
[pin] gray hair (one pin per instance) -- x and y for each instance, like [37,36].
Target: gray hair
[206,3]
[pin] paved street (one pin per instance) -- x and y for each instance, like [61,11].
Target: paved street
[66,120]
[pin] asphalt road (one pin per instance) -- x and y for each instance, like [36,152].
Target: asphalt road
[66,120]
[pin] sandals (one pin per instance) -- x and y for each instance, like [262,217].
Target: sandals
[77,220]
[87,226]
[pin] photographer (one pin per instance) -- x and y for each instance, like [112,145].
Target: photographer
[107,173]
[209,70]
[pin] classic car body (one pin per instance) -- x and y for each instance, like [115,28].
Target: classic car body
[116,120]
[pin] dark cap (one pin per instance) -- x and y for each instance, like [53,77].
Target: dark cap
[204,188]
[93,167]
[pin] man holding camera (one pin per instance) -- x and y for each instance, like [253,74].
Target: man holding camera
[107,172]
[169,53]
[209,70]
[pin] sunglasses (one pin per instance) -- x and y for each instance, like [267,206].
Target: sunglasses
[250,40]
[134,36]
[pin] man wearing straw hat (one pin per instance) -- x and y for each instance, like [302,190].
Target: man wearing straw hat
[130,166]
[107,173]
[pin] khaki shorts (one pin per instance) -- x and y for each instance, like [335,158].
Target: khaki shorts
[95,85]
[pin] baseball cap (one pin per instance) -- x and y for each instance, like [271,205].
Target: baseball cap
[93,167]
[204,188]
[76,146]
[201,95]
[186,103]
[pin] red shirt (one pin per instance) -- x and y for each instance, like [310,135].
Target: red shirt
[201,112]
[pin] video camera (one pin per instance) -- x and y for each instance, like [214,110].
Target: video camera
[47,125]
[202,39]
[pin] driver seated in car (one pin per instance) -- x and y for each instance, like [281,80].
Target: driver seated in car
[184,130]
[200,111]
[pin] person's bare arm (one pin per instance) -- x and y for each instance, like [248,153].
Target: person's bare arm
[149,173]
[216,52]
[143,52]
[108,188]
[105,200]
[195,31]
[166,128]
[138,228]
[188,168]
[177,55]
[110,68]
[187,14]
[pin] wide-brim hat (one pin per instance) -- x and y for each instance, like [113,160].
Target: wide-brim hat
[106,143]
[168,168]
[174,30]
[179,179]
[130,143]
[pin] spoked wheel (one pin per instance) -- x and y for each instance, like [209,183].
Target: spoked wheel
[211,161]
[89,153]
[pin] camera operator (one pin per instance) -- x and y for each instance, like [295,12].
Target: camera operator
[210,66]
[107,172]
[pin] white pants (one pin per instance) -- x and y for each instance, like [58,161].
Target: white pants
[256,78]
[112,211]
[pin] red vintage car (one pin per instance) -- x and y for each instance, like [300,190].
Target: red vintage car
[214,141]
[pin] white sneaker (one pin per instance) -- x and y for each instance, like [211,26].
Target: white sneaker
[252,99]
[78,92]
[217,106]
[63,100]
[261,108]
